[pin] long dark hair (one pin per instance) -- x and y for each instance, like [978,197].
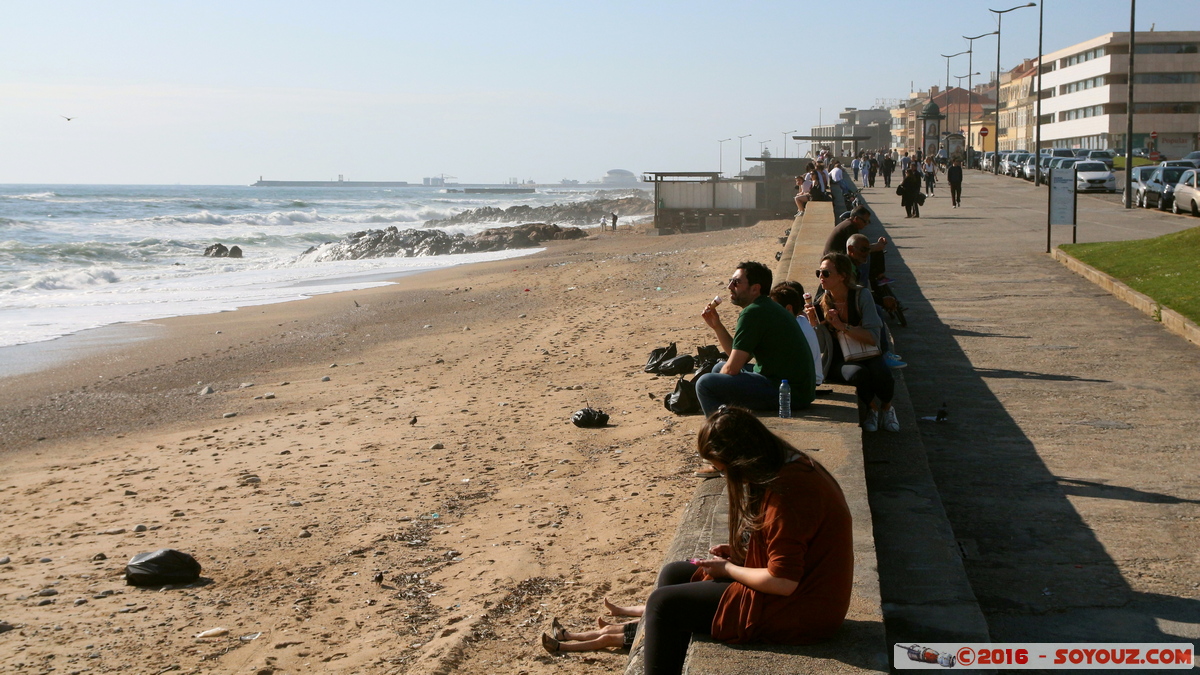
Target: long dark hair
[752,457]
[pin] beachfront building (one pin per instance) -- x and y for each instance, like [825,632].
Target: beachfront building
[956,104]
[1085,99]
[874,123]
[1015,110]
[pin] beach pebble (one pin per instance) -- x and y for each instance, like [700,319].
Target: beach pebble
[80,601]
[250,479]
[140,528]
[229,414]
[427,326]
[5,626]
[285,452]
[268,396]
[47,592]
[304,534]
[99,556]
[436,446]
[440,360]
[520,316]
[130,493]
[213,632]
[333,365]
[5,560]
[43,602]
[245,385]
[295,503]
[114,530]
[206,391]
[466,328]
[325,379]
[178,514]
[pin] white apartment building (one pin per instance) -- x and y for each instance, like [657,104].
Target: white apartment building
[1085,98]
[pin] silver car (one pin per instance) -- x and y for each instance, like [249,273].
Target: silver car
[1139,182]
[1187,193]
[1093,176]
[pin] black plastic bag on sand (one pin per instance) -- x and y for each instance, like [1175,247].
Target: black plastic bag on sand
[162,567]
[658,356]
[683,400]
[589,417]
[677,366]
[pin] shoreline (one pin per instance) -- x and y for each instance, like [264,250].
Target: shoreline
[441,457]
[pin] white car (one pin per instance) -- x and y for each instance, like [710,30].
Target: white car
[1094,177]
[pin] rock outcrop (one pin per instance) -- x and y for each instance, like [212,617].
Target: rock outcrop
[393,242]
[582,213]
[218,250]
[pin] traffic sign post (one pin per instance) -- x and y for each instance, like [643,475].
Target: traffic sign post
[1154,140]
[983,132]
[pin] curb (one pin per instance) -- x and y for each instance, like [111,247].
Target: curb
[1170,319]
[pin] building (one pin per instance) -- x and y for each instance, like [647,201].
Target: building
[957,104]
[1014,126]
[874,123]
[1085,99]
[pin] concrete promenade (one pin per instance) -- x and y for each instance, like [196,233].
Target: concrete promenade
[1068,465]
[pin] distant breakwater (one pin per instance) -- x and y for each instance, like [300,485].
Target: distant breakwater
[408,243]
[579,213]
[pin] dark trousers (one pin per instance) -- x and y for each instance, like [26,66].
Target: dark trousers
[887,179]
[871,379]
[929,179]
[675,610]
[913,209]
[956,193]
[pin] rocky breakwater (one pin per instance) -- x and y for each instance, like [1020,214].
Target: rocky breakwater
[396,243]
[585,213]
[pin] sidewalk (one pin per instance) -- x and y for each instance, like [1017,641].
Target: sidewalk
[1068,464]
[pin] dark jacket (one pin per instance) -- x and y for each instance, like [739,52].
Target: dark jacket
[954,174]
[909,189]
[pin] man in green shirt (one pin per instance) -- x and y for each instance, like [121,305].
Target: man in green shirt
[765,332]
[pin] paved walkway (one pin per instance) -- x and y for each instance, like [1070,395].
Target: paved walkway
[1068,466]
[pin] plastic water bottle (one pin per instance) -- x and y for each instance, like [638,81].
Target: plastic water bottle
[785,400]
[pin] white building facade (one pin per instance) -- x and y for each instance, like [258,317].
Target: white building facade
[1085,96]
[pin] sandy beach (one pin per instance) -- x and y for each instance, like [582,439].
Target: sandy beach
[438,452]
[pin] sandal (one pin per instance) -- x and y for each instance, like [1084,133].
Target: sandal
[549,643]
[557,630]
[710,472]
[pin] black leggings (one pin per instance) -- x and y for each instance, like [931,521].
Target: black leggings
[675,610]
[956,193]
[871,378]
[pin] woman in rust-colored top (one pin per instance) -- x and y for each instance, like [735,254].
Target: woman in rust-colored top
[786,574]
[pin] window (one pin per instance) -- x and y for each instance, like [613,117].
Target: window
[1166,78]
[1090,54]
[1165,108]
[1082,85]
[1081,113]
[1166,48]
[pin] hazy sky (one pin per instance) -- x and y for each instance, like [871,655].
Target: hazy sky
[223,92]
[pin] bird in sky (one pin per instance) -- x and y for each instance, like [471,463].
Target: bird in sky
[66,118]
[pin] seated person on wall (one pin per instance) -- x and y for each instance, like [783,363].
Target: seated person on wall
[859,249]
[765,332]
[838,176]
[790,294]
[859,218]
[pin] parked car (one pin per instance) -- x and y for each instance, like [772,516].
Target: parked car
[1103,156]
[1012,163]
[1138,182]
[1187,193]
[1160,189]
[1062,162]
[1192,155]
[1029,168]
[1152,155]
[1187,163]
[1061,152]
[1080,152]
[1094,177]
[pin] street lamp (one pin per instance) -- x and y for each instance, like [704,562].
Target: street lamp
[760,147]
[740,152]
[971,88]
[721,153]
[1129,114]
[999,24]
[785,140]
[948,57]
[1037,167]
[960,78]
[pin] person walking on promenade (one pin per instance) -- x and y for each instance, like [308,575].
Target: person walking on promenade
[872,170]
[905,163]
[929,169]
[910,191]
[954,178]
[854,166]
[887,166]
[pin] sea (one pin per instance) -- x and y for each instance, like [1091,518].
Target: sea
[78,257]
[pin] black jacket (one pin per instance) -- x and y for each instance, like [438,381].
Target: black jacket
[954,174]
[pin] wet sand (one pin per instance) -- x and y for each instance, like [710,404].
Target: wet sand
[438,453]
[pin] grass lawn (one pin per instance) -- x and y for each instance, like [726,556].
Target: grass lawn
[1166,268]
[1119,163]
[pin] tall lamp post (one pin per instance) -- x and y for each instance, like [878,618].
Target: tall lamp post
[721,153]
[971,88]
[1129,114]
[785,140]
[948,57]
[1037,167]
[740,152]
[999,24]
[960,78]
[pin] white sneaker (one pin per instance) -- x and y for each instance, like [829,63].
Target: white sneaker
[871,421]
[890,423]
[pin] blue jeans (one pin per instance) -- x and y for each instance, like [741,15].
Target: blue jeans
[747,389]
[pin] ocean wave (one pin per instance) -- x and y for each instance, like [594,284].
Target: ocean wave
[32,196]
[69,279]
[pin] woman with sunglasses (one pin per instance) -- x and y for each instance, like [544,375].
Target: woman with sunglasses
[785,575]
[845,307]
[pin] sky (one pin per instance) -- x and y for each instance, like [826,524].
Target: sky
[219,92]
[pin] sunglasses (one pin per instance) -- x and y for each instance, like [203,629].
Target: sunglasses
[824,274]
